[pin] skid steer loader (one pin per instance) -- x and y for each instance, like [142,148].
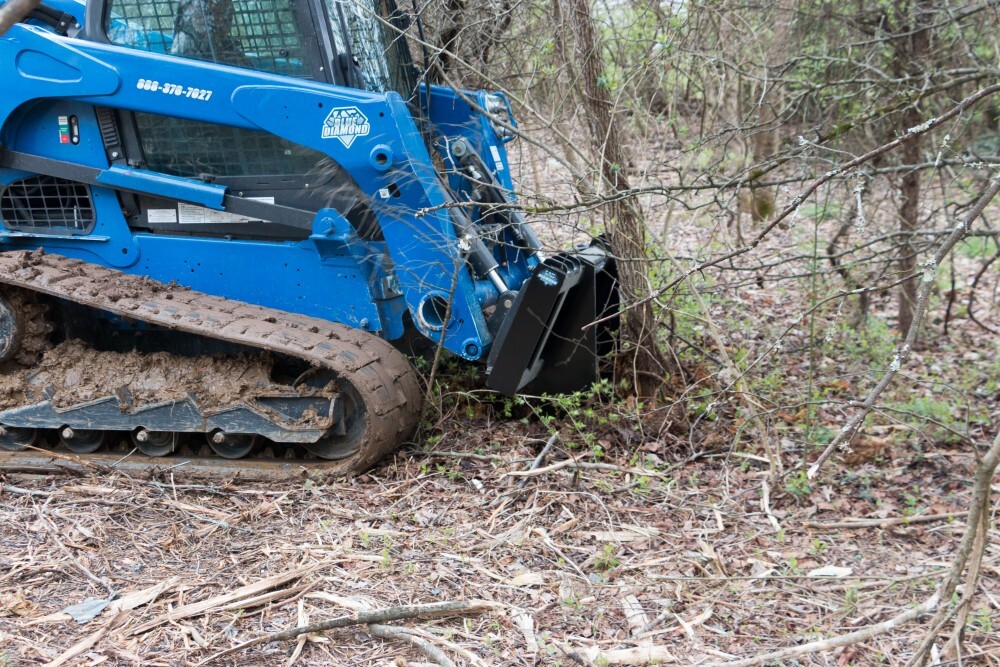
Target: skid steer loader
[218,216]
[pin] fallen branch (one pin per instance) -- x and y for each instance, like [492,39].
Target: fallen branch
[9,488]
[541,457]
[861,635]
[221,601]
[879,523]
[377,617]
[428,649]
[584,465]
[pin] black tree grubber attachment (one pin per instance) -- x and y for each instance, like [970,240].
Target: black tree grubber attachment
[544,343]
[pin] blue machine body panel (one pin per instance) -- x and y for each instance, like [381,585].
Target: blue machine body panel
[370,284]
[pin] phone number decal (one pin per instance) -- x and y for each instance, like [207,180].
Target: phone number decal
[174,89]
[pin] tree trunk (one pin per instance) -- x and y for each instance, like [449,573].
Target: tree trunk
[771,95]
[625,225]
[909,54]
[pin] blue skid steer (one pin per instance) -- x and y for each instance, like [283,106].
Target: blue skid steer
[221,222]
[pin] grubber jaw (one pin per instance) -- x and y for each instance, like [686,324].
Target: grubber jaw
[545,340]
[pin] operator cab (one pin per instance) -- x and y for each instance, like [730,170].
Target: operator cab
[352,43]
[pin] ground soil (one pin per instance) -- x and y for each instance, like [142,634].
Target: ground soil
[567,561]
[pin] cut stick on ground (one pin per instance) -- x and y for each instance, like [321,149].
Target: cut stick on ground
[585,465]
[864,634]
[428,649]
[8,488]
[642,655]
[878,523]
[240,594]
[377,617]
[84,644]
[502,501]
[541,457]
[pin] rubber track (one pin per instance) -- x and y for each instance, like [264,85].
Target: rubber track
[383,376]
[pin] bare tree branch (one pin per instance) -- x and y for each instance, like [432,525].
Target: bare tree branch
[957,234]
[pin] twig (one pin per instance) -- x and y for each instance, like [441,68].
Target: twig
[455,455]
[861,635]
[377,616]
[505,499]
[428,649]
[664,615]
[765,505]
[71,459]
[15,11]
[540,458]
[923,295]
[876,523]
[551,545]
[10,488]
[584,465]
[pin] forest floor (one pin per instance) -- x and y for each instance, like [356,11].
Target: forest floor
[696,558]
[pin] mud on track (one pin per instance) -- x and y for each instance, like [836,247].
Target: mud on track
[72,373]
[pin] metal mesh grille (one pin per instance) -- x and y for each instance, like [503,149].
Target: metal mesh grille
[44,203]
[257,34]
[189,148]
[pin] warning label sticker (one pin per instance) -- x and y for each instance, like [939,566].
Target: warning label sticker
[188,214]
[346,124]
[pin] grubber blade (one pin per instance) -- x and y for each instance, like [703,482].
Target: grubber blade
[544,344]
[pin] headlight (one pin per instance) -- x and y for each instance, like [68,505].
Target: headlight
[496,107]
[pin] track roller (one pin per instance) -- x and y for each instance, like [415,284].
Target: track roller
[231,445]
[11,327]
[155,443]
[81,441]
[15,439]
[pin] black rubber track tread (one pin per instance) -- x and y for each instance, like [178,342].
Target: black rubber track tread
[383,376]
